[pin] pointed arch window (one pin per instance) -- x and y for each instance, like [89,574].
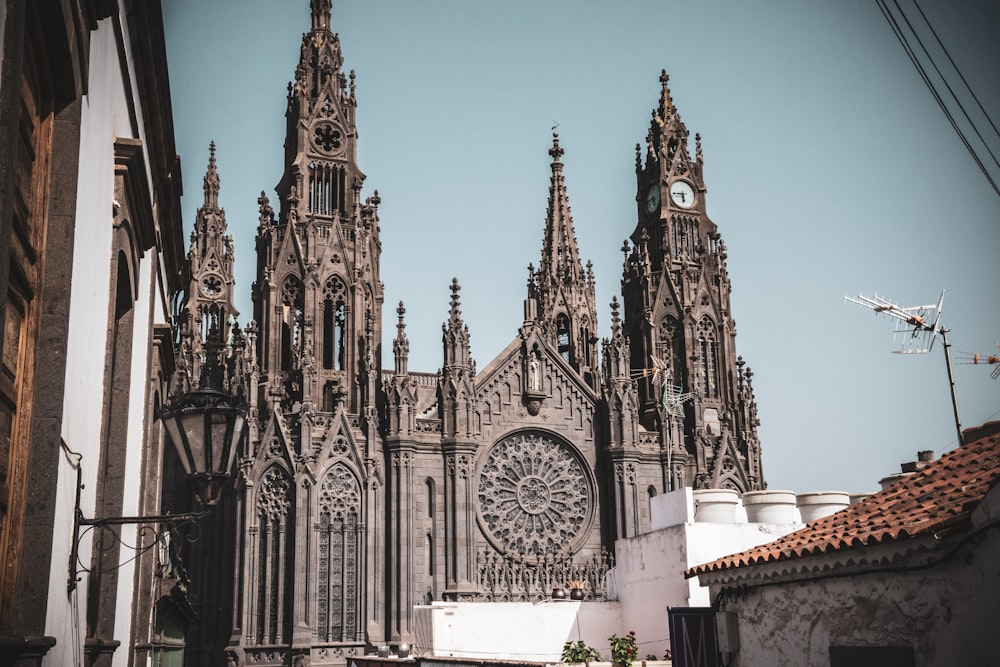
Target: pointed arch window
[430,503]
[334,323]
[338,561]
[269,558]
[291,322]
[563,338]
[327,187]
[708,351]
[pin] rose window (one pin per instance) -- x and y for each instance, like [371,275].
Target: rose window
[328,138]
[535,496]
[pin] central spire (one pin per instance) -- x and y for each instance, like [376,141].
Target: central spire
[560,256]
[561,288]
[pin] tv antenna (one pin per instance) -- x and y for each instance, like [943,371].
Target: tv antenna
[969,358]
[917,327]
[671,397]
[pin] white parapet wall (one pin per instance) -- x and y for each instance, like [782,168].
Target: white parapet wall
[522,631]
[649,570]
[647,579]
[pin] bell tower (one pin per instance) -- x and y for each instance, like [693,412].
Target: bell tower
[205,315]
[318,297]
[676,292]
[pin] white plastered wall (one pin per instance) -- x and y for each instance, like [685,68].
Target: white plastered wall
[105,116]
[649,571]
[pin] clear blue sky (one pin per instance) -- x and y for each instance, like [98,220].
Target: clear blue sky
[830,170]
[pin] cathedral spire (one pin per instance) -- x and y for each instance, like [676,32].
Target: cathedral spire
[562,289]
[211,180]
[206,317]
[560,256]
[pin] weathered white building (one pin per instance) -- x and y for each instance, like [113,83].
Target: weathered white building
[91,247]
[909,576]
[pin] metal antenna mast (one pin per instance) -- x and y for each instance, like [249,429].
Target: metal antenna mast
[915,334]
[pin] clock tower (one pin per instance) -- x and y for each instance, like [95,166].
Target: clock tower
[678,321]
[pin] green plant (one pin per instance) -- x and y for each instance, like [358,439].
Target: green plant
[624,649]
[651,656]
[578,651]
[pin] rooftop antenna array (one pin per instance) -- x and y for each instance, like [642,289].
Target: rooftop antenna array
[916,329]
[672,399]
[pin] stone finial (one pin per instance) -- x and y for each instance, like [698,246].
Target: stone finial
[556,151]
[616,322]
[211,179]
[401,325]
[666,104]
[455,314]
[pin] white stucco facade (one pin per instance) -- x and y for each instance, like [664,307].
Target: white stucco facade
[110,111]
[650,568]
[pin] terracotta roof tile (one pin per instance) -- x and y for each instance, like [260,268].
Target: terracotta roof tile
[941,495]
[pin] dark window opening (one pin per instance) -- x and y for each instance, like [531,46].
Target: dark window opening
[563,338]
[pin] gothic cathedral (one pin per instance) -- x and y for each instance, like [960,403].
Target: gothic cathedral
[364,490]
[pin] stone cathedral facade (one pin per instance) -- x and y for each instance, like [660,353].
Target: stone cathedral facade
[364,490]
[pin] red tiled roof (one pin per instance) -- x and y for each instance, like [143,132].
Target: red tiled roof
[940,496]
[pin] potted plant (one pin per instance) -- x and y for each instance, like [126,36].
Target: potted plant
[578,651]
[575,589]
[558,592]
[624,649]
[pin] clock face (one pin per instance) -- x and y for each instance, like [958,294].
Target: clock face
[653,198]
[682,194]
[211,286]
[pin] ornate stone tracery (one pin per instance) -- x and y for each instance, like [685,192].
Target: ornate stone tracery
[273,499]
[535,496]
[339,494]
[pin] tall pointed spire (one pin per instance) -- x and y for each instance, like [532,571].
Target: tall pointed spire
[211,180]
[560,256]
[562,289]
[206,316]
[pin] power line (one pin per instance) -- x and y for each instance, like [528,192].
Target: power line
[944,79]
[910,52]
[957,71]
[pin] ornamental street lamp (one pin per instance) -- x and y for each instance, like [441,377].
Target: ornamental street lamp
[206,427]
